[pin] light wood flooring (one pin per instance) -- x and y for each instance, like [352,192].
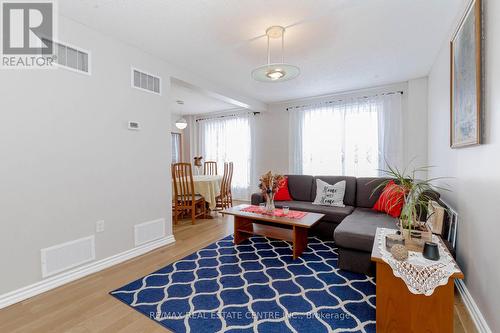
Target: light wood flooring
[86,306]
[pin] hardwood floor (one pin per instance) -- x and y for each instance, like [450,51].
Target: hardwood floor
[85,306]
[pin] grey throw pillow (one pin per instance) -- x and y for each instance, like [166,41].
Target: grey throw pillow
[330,195]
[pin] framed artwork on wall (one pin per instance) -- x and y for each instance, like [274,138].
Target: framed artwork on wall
[466,79]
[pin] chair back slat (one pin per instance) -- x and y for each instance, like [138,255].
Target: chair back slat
[230,177]
[182,177]
[210,168]
[223,185]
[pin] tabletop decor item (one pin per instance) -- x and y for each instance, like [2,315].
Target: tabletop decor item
[431,251]
[293,214]
[394,239]
[399,252]
[417,194]
[435,217]
[197,164]
[269,185]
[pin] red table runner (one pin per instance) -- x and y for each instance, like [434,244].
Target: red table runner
[293,214]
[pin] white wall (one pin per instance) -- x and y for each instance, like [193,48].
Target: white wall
[476,171]
[271,140]
[415,124]
[272,127]
[68,159]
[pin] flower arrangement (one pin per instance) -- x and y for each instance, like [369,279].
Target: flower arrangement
[269,185]
[197,161]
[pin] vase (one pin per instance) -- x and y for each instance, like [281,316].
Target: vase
[270,202]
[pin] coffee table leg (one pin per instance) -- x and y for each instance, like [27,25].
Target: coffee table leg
[239,223]
[299,241]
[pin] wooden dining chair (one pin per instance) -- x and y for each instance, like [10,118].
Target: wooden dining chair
[221,201]
[229,184]
[210,168]
[225,198]
[185,200]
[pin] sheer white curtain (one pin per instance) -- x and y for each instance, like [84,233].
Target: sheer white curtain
[390,122]
[230,139]
[353,137]
[176,147]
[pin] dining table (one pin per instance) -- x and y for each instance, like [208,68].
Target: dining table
[209,187]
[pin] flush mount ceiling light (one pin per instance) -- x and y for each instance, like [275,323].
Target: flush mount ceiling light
[275,72]
[181,123]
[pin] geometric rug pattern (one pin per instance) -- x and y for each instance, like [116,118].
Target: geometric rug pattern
[256,287]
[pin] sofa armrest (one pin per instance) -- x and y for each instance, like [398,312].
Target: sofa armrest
[257,198]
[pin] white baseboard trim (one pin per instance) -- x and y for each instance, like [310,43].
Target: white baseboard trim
[79,272]
[470,304]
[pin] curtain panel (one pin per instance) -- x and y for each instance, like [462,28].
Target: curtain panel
[352,137]
[231,139]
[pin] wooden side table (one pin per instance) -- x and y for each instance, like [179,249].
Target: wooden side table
[398,310]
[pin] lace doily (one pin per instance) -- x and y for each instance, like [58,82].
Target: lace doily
[420,275]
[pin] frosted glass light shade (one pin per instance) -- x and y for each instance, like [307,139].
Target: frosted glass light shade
[181,123]
[275,72]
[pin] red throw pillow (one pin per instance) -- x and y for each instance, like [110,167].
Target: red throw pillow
[283,194]
[391,200]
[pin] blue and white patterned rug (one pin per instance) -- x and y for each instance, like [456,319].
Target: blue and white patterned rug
[256,287]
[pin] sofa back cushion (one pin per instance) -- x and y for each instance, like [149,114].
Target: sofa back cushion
[300,187]
[350,187]
[364,190]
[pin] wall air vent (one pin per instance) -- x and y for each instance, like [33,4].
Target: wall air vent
[61,257]
[71,57]
[145,81]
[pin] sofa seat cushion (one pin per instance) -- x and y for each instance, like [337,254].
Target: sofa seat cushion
[357,231]
[332,214]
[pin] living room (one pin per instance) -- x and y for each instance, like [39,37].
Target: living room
[259,113]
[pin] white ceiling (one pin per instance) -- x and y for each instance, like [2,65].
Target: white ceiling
[338,44]
[196,101]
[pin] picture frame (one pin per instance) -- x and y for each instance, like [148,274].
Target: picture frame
[466,79]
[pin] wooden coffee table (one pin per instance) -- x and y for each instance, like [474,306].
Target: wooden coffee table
[293,230]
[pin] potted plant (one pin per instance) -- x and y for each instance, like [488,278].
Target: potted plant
[416,195]
[269,185]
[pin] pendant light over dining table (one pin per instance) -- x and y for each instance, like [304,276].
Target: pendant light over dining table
[275,72]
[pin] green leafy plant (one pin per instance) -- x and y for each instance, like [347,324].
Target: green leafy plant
[417,193]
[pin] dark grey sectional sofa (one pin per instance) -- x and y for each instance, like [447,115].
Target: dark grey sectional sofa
[352,227]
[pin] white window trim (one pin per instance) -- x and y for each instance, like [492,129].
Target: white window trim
[133,68]
[89,56]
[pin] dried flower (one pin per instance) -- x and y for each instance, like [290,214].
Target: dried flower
[269,183]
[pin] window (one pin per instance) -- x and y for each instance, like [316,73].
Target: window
[176,147]
[348,138]
[229,139]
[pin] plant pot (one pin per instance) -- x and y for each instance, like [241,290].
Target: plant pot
[415,240]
